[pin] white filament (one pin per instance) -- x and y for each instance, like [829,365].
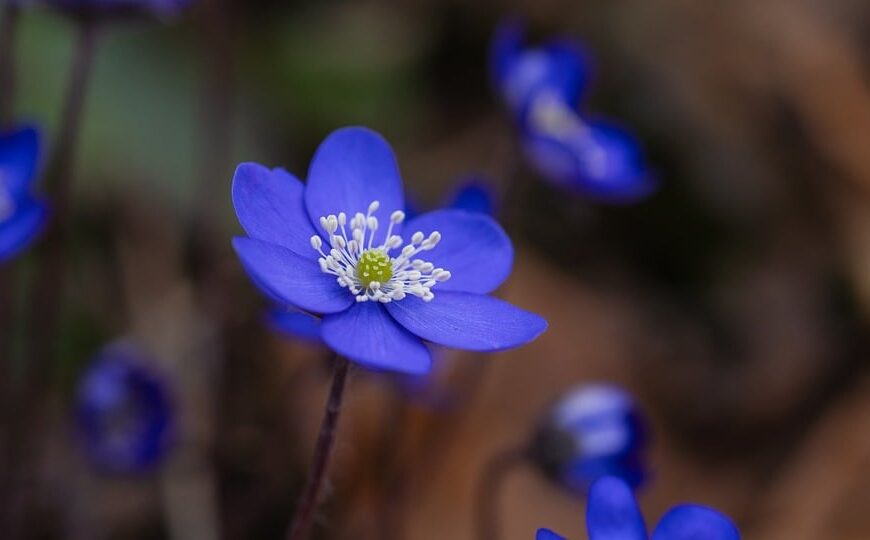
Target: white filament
[409,275]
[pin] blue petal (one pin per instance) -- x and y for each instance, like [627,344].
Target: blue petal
[366,334]
[19,154]
[560,67]
[597,159]
[473,247]
[507,43]
[296,324]
[547,534]
[271,207]
[467,321]
[612,512]
[353,167]
[694,522]
[20,229]
[473,195]
[291,278]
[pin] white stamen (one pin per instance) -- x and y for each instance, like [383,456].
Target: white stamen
[408,275]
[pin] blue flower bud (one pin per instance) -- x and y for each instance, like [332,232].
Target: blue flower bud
[591,431]
[124,412]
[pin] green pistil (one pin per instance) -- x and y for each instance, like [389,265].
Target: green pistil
[374,265]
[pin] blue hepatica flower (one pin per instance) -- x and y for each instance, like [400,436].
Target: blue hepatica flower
[22,216]
[541,87]
[124,411]
[321,248]
[471,194]
[612,513]
[592,431]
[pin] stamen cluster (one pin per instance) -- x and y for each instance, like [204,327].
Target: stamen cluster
[368,270]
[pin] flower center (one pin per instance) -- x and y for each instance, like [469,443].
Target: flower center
[374,265]
[368,271]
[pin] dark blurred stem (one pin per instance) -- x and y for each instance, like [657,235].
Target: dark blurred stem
[8,34]
[45,313]
[301,524]
[491,483]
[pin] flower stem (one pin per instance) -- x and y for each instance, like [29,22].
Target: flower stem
[317,474]
[8,33]
[491,483]
[45,313]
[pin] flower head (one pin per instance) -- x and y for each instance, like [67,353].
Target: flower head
[22,216]
[612,513]
[471,194]
[124,411]
[592,431]
[542,87]
[520,73]
[340,246]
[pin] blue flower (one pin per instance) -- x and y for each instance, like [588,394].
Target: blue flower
[520,73]
[471,194]
[320,248]
[593,158]
[22,216]
[612,513]
[124,412]
[542,88]
[592,431]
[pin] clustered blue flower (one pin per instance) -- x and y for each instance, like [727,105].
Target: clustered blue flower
[124,410]
[319,247]
[612,513]
[542,87]
[22,215]
[592,431]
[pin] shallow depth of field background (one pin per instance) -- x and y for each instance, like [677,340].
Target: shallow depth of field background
[733,302]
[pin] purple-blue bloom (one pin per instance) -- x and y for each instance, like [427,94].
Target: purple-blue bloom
[592,431]
[471,194]
[612,513]
[124,411]
[520,73]
[22,216]
[542,87]
[336,247]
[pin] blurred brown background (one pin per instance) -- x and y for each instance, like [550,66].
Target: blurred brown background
[733,303]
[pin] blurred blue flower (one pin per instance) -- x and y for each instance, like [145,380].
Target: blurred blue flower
[474,195]
[378,308]
[124,412]
[612,513]
[592,431]
[22,216]
[592,158]
[520,73]
[542,88]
